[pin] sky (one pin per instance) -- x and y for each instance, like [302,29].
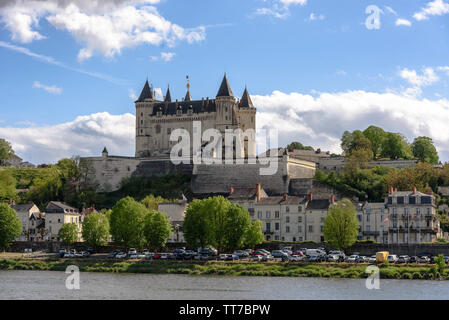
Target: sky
[72,69]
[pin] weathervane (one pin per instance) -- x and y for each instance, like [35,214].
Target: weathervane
[188,82]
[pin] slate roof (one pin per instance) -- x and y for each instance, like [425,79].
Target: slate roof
[243,193]
[225,88]
[168,95]
[198,106]
[56,205]
[22,207]
[246,102]
[147,93]
[188,96]
[291,200]
[318,204]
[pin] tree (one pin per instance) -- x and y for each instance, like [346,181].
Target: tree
[152,203]
[10,226]
[236,226]
[6,151]
[7,186]
[424,150]
[349,141]
[196,226]
[254,235]
[395,146]
[68,233]
[299,146]
[341,225]
[376,136]
[96,229]
[157,229]
[127,221]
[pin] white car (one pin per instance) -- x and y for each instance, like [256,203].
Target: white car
[372,259]
[120,255]
[392,258]
[223,256]
[132,251]
[353,258]
[164,255]
[69,255]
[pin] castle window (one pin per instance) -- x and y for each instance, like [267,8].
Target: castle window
[158,129]
[168,130]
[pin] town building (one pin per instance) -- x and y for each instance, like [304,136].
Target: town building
[57,214]
[176,213]
[32,221]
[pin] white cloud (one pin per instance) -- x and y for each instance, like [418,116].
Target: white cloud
[50,89]
[280,9]
[104,27]
[444,69]
[403,22]
[320,121]
[314,17]
[313,120]
[391,10]
[434,8]
[427,78]
[132,94]
[167,56]
[85,136]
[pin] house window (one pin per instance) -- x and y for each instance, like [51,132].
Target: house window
[268,226]
[259,214]
[310,228]
[276,214]
[299,219]
[276,226]
[268,215]
[158,129]
[287,229]
[287,209]
[299,229]
[287,219]
[168,130]
[299,209]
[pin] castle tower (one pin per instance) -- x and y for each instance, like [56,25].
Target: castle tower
[247,120]
[144,108]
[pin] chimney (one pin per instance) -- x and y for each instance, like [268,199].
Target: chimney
[258,190]
[291,149]
[309,196]
[332,199]
[414,190]
[231,191]
[390,190]
[285,197]
[318,151]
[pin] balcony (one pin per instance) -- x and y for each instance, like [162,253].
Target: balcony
[371,233]
[266,232]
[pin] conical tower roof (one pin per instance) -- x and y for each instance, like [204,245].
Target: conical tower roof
[168,95]
[147,92]
[225,88]
[188,96]
[246,102]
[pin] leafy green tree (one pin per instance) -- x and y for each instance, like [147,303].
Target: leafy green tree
[10,226]
[424,150]
[68,233]
[152,203]
[299,146]
[197,224]
[236,226]
[6,151]
[376,136]
[127,222]
[254,235]
[96,229]
[7,186]
[341,225]
[395,146]
[349,141]
[157,229]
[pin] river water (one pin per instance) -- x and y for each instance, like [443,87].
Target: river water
[50,285]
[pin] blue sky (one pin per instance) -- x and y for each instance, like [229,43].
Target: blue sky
[313,67]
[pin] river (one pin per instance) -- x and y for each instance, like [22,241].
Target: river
[50,285]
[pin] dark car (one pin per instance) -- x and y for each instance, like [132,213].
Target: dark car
[403,259]
[413,259]
[189,254]
[90,250]
[112,255]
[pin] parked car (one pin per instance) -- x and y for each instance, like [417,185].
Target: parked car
[423,259]
[446,259]
[295,258]
[120,255]
[315,252]
[298,253]
[209,251]
[392,258]
[257,257]
[288,250]
[267,257]
[132,251]
[90,250]
[258,252]
[362,259]
[279,254]
[241,254]
[232,257]
[353,258]
[222,257]
[148,255]
[333,257]
[164,256]
[372,259]
[340,254]
[69,254]
[189,254]
[315,258]
[112,254]
[413,259]
[403,259]
[61,253]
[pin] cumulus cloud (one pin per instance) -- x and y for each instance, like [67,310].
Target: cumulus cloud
[165,56]
[104,27]
[403,22]
[280,9]
[321,120]
[444,69]
[85,136]
[427,78]
[433,8]
[50,89]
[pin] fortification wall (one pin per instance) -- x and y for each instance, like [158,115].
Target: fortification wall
[338,164]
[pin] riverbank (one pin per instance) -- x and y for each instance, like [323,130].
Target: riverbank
[268,269]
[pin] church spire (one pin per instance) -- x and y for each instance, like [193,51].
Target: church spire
[246,102]
[168,95]
[188,96]
[147,92]
[225,88]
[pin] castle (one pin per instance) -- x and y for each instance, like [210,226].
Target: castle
[156,120]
